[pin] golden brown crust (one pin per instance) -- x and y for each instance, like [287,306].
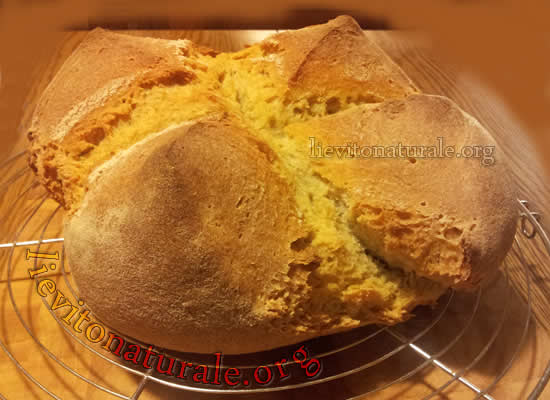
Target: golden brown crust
[102,65]
[93,91]
[312,57]
[209,251]
[450,219]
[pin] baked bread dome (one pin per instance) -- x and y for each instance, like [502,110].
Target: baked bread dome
[200,219]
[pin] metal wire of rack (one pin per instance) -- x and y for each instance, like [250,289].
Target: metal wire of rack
[530,228]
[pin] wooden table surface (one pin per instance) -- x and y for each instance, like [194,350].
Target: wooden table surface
[432,75]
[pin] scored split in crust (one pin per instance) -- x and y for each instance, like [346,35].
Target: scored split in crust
[225,227]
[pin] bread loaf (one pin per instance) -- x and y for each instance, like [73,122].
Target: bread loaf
[199,217]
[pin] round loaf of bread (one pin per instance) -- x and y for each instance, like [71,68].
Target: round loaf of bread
[226,201]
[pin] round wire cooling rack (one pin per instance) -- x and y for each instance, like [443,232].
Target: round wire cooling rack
[408,349]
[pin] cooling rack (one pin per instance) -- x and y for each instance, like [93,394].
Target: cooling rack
[364,349]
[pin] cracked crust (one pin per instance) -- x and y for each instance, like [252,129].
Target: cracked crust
[189,186]
[436,216]
[93,91]
[104,64]
[206,265]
